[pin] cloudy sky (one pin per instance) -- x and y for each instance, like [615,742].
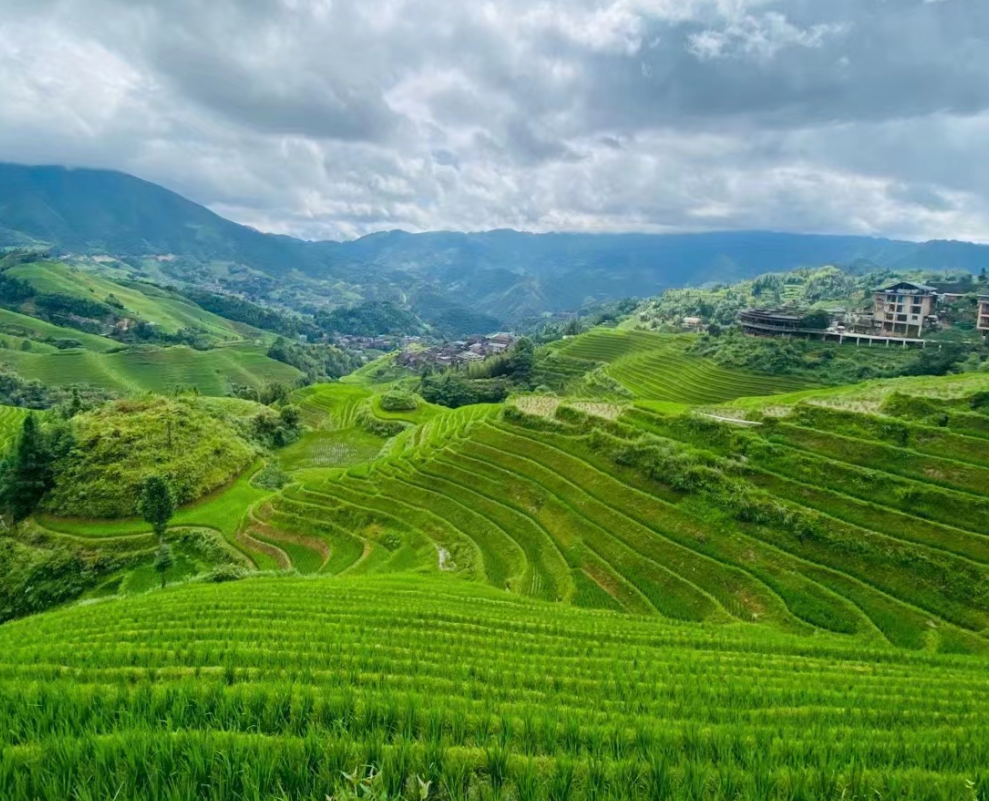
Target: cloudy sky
[334,118]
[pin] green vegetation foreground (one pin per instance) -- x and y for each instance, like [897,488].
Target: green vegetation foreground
[275,688]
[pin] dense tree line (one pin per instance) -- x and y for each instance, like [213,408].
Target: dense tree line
[27,472]
[835,363]
[376,318]
[32,394]
[319,362]
[454,390]
[233,308]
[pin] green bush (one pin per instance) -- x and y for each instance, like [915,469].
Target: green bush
[399,401]
[375,425]
[34,579]
[225,573]
[272,477]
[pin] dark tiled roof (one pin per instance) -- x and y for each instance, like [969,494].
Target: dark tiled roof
[909,284]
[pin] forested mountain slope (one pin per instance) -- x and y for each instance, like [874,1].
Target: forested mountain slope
[509,275]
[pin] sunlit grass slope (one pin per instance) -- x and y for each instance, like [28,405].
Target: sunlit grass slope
[571,512]
[154,369]
[166,310]
[26,327]
[275,688]
[659,367]
[11,419]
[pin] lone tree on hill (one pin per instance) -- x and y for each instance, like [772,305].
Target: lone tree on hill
[157,505]
[25,475]
[163,561]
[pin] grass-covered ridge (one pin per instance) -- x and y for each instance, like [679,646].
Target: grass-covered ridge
[155,369]
[39,332]
[167,311]
[662,367]
[276,688]
[118,446]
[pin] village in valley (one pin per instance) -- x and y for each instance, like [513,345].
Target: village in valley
[423,353]
[450,354]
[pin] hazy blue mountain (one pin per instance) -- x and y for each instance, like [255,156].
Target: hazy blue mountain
[503,275]
[97,212]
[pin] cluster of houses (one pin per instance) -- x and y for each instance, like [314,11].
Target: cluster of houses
[464,351]
[902,312]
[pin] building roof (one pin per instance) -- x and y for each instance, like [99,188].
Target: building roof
[781,315]
[908,286]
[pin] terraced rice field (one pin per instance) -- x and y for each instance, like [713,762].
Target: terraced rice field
[546,509]
[552,600]
[27,327]
[168,311]
[680,378]
[336,448]
[279,688]
[154,369]
[11,419]
[658,367]
[331,406]
[608,345]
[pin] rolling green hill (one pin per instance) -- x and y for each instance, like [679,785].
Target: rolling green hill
[154,369]
[166,310]
[41,340]
[659,367]
[34,330]
[782,523]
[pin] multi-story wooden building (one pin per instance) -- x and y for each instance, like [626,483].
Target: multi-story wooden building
[984,313]
[904,309]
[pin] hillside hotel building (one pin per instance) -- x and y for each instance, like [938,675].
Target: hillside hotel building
[902,309]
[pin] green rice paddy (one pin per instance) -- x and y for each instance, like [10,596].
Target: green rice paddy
[11,419]
[154,369]
[281,688]
[658,367]
[167,311]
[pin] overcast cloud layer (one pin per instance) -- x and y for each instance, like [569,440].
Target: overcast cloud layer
[334,118]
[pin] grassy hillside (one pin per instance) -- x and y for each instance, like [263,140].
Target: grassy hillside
[278,688]
[586,511]
[11,419]
[349,424]
[154,369]
[616,506]
[118,446]
[660,367]
[870,395]
[168,311]
[30,328]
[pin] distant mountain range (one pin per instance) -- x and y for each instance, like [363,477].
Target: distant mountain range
[503,276]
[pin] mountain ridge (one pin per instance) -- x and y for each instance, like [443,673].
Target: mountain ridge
[504,273]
